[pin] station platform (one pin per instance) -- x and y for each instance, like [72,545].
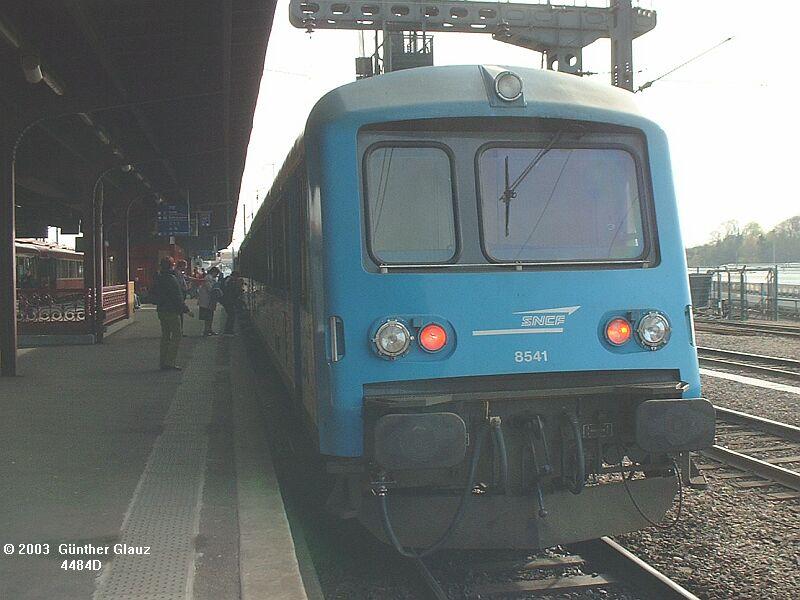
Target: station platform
[162,479]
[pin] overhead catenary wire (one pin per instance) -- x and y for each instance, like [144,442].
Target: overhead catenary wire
[648,84]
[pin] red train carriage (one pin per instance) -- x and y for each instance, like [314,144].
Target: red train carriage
[145,258]
[42,265]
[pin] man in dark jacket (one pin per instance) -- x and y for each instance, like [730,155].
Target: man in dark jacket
[231,300]
[169,299]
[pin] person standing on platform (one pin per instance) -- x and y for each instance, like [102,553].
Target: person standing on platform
[180,275]
[169,300]
[207,296]
[231,299]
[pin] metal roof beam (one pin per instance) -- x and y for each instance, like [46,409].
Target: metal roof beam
[78,10]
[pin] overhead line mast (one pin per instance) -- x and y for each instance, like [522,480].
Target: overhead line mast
[559,32]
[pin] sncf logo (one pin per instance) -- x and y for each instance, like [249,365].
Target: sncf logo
[549,320]
[543,320]
[546,317]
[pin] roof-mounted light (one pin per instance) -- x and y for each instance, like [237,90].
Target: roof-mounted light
[508,86]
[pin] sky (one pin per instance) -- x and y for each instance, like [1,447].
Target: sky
[730,116]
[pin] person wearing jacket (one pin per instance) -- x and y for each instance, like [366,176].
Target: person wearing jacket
[207,296]
[231,299]
[169,300]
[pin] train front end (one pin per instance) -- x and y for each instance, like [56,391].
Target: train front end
[510,356]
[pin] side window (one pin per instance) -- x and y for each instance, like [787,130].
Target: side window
[410,204]
[302,232]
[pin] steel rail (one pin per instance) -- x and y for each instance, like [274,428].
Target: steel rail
[629,568]
[774,325]
[746,366]
[785,477]
[733,326]
[775,360]
[611,563]
[784,430]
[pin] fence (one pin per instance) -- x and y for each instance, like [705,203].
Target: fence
[731,293]
[62,312]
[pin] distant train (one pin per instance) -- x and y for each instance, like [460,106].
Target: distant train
[45,266]
[472,281]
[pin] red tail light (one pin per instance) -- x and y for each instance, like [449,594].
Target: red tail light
[618,331]
[432,337]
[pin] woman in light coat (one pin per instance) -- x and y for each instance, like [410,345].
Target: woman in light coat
[207,298]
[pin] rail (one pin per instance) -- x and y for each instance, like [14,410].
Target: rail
[610,563]
[746,328]
[769,469]
[765,365]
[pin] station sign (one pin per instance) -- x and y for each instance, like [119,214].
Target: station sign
[173,219]
[203,218]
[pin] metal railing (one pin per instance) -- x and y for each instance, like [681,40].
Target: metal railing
[731,293]
[115,303]
[42,311]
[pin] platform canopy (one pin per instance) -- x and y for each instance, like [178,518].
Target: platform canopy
[167,86]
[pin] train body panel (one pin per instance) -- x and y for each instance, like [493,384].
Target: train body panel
[383,252]
[333,132]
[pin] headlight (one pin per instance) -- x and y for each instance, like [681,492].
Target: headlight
[508,86]
[653,330]
[392,339]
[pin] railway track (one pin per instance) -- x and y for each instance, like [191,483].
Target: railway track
[747,327]
[589,566]
[764,365]
[754,446]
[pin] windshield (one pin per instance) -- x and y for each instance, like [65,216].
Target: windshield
[410,205]
[577,204]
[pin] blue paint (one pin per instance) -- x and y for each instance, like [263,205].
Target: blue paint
[485,300]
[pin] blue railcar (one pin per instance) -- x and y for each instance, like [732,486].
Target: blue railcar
[473,283]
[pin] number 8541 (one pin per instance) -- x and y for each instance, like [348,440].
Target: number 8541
[526,356]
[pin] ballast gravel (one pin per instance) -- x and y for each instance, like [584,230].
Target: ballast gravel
[764,344]
[733,543]
[730,544]
[758,401]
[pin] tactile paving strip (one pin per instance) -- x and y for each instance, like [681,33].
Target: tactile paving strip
[164,513]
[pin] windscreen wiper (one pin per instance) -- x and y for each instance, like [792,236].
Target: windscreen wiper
[508,194]
[510,191]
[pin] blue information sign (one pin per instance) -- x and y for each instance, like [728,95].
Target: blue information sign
[204,218]
[173,219]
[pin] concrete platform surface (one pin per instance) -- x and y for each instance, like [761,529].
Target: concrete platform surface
[118,480]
